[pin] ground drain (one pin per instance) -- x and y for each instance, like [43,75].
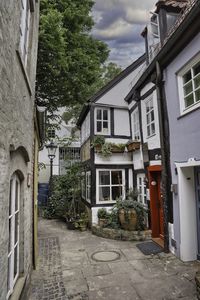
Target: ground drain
[105,256]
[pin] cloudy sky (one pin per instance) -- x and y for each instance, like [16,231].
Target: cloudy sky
[119,23]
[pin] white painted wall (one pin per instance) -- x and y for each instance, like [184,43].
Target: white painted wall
[94,213]
[115,96]
[114,159]
[121,122]
[187,206]
[85,129]
[138,160]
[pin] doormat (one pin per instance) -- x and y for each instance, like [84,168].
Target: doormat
[148,248]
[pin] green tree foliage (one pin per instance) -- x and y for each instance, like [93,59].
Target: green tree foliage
[69,58]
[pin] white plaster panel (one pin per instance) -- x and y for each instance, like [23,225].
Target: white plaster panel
[146,88]
[116,95]
[130,179]
[121,122]
[115,158]
[95,211]
[187,206]
[138,160]
[154,140]
[85,129]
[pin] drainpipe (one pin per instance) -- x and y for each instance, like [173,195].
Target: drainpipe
[165,152]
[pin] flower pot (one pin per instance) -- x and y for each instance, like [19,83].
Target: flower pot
[83,227]
[71,225]
[133,146]
[103,222]
[128,219]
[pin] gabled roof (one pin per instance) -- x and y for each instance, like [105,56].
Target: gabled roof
[182,35]
[109,86]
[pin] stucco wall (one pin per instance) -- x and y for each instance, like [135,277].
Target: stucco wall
[16,131]
[184,131]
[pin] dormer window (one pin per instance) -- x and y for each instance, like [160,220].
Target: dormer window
[153,35]
[102,121]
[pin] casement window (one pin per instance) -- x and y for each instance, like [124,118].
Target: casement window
[189,86]
[13,246]
[102,121]
[25,28]
[51,133]
[136,125]
[110,185]
[153,35]
[150,118]
[88,186]
[141,187]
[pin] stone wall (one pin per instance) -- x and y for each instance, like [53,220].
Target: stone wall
[17,85]
[119,234]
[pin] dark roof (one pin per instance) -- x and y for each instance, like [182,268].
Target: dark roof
[182,35]
[173,3]
[109,86]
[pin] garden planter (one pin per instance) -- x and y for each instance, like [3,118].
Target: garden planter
[116,149]
[71,225]
[103,222]
[128,219]
[133,146]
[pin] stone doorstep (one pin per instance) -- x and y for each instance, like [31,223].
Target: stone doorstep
[120,234]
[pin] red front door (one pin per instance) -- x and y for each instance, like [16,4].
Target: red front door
[156,202]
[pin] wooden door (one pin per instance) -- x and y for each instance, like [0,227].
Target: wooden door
[156,202]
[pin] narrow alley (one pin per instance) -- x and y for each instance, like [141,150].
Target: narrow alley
[78,265]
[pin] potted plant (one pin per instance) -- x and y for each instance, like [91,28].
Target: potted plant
[82,222]
[102,217]
[131,213]
[133,145]
[98,142]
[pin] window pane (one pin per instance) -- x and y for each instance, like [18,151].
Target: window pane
[187,77]
[116,177]
[8,276]
[189,100]
[10,196]
[152,128]
[197,69]
[105,125]
[15,261]
[148,131]
[104,193]
[9,240]
[99,114]
[16,195]
[99,129]
[105,115]
[104,178]
[197,94]
[197,81]
[152,115]
[16,227]
[148,119]
[188,88]
[116,192]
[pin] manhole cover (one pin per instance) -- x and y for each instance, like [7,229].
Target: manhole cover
[106,256]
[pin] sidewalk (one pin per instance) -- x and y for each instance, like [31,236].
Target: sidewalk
[80,266]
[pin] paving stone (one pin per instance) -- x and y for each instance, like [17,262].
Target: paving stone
[96,270]
[72,274]
[75,287]
[121,267]
[114,293]
[110,280]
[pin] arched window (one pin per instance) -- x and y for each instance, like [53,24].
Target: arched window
[13,244]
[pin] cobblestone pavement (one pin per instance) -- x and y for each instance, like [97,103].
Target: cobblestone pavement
[68,269]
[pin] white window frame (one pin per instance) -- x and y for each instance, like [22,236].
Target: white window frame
[24,29]
[149,121]
[153,39]
[102,132]
[110,185]
[189,66]
[14,211]
[136,125]
[88,186]
[142,189]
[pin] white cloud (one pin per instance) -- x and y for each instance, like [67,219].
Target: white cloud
[119,23]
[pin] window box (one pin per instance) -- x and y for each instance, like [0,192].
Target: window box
[132,146]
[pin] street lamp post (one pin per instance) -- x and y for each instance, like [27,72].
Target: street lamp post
[51,147]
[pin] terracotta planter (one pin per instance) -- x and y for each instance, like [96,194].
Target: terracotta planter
[128,219]
[116,149]
[103,222]
[133,146]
